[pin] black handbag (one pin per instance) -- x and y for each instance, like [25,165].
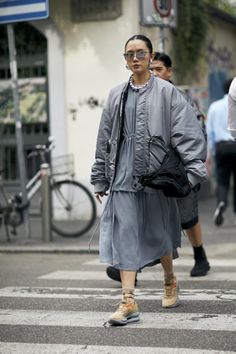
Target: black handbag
[170,175]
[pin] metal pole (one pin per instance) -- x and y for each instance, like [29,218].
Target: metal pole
[46,203]
[18,123]
[161,47]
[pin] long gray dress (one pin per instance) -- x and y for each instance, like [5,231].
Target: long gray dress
[137,228]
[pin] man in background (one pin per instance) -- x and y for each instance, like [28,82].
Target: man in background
[232,108]
[222,148]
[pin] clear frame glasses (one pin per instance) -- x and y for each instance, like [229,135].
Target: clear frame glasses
[140,55]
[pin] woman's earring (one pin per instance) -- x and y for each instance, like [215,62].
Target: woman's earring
[127,67]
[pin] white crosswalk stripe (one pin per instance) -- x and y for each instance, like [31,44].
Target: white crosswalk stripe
[114,294]
[15,348]
[184,261]
[98,288]
[154,320]
[145,275]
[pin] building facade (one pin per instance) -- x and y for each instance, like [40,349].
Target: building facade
[84,50]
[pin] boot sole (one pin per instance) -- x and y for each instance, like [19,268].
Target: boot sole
[202,274]
[133,318]
[176,304]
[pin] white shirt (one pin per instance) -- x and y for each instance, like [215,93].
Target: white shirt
[232,108]
[217,123]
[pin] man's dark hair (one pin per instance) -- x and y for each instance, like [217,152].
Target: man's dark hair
[226,86]
[164,58]
[143,38]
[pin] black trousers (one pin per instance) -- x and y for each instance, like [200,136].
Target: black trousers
[225,167]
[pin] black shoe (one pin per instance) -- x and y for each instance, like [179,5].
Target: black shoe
[200,268]
[218,216]
[114,274]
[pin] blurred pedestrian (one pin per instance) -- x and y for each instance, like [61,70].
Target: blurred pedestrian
[232,108]
[142,228]
[188,206]
[222,147]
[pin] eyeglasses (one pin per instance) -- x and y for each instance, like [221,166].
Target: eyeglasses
[140,55]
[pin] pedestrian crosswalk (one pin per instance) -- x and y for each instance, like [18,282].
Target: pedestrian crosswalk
[15,348]
[154,320]
[147,275]
[53,317]
[114,294]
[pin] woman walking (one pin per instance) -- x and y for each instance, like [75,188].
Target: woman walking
[141,227]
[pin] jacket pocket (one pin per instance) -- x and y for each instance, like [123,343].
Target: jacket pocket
[157,152]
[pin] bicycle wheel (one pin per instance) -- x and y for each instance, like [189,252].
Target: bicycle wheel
[73,208]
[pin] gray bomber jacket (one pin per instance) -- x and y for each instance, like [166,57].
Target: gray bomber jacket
[161,111]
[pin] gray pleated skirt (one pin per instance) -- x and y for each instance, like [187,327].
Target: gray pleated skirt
[137,229]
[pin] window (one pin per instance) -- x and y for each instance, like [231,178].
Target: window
[31,47]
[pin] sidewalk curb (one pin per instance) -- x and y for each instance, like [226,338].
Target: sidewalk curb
[57,250]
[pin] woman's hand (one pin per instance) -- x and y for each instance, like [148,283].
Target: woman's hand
[100,195]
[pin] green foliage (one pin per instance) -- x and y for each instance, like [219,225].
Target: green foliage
[190,36]
[224,5]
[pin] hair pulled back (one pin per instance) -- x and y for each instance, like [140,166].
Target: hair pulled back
[143,38]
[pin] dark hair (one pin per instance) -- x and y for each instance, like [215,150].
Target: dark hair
[226,86]
[143,38]
[164,58]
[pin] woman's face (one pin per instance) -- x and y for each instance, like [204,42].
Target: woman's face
[137,56]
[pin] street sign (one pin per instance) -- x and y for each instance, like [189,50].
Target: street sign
[161,13]
[163,7]
[23,10]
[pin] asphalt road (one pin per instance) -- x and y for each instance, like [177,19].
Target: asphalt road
[54,302]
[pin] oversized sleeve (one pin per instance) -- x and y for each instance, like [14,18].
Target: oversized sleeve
[188,138]
[98,175]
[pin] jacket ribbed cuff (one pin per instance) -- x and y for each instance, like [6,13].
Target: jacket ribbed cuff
[100,187]
[192,180]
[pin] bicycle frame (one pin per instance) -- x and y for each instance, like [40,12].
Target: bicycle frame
[3,192]
[33,185]
[12,211]
[56,177]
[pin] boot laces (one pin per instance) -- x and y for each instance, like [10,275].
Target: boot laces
[169,287]
[168,290]
[127,299]
[122,307]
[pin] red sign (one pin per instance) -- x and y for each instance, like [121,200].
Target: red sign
[163,7]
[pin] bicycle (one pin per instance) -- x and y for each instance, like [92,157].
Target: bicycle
[73,206]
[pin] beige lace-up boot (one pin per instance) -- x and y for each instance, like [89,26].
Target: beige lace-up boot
[171,289]
[127,312]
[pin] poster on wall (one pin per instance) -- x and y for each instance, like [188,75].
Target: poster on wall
[33,101]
